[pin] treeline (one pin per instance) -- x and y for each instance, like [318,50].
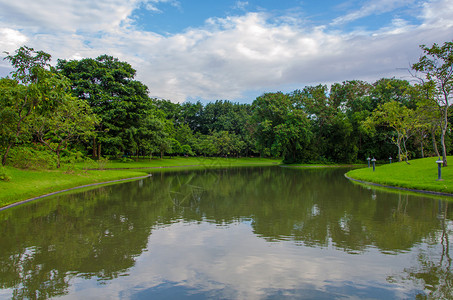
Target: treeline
[95,107]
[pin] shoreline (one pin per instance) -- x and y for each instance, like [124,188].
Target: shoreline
[71,189]
[400,188]
[191,166]
[156,168]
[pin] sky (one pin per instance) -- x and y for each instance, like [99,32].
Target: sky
[207,50]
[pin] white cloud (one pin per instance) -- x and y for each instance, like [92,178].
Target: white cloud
[370,8]
[228,57]
[67,15]
[151,5]
[438,13]
[242,5]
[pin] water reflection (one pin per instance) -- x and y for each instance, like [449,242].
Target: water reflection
[244,233]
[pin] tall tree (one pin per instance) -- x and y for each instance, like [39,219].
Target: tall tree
[121,102]
[282,127]
[437,67]
[33,89]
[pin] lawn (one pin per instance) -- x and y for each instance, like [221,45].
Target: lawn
[187,161]
[420,174]
[25,184]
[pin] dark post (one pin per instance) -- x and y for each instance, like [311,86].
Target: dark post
[439,168]
[390,159]
[368,159]
[374,163]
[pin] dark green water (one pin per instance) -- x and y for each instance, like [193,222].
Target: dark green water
[250,233]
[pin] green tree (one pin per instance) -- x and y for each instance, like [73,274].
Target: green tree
[282,128]
[400,119]
[33,90]
[121,102]
[69,121]
[437,67]
[391,89]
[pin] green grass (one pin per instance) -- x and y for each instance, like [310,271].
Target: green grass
[188,161]
[421,174]
[25,184]
[325,166]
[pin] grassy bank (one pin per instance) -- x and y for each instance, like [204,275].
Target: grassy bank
[186,161]
[325,166]
[25,184]
[421,174]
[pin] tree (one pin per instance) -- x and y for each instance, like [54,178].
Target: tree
[121,102]
[71,120]
[400,119]
[428,113]
[282,127]
[33,90]
[391,89]
[437,67]
[292,137]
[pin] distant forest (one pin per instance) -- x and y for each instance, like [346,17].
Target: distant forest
[95,108]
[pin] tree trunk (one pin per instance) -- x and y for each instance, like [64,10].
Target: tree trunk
[444,150]
[99,150]
[398,144]
[58,159]
[6,153]
[94,147]
[405,151]
[433,138]
[421,149]
[444,132]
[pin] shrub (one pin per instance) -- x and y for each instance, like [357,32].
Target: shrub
[29,158]
[126,160]
[4,174]
[102,162]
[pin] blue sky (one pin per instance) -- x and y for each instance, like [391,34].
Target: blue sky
[170,17]
[232,50]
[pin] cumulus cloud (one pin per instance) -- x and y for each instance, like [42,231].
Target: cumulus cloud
[230,56]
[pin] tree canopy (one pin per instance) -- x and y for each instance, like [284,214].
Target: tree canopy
[96,107]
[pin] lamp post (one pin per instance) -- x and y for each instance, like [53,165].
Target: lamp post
[374,163]
[368,159]
[390,159]
[439,168]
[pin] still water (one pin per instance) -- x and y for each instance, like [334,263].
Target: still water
[249,233]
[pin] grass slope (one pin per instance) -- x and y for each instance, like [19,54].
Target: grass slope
[421,174]
[190,161]
[25,184]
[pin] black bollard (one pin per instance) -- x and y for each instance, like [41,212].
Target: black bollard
[439,169]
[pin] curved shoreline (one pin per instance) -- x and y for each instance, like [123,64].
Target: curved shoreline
[400,188]
[71,189]
[106,182]
[149,175]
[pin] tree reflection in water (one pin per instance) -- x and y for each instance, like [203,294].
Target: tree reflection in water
[434,263]
[99,234]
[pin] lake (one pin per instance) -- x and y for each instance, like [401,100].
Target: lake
[245,233]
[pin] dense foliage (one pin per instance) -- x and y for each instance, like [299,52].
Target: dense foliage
[95,107]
